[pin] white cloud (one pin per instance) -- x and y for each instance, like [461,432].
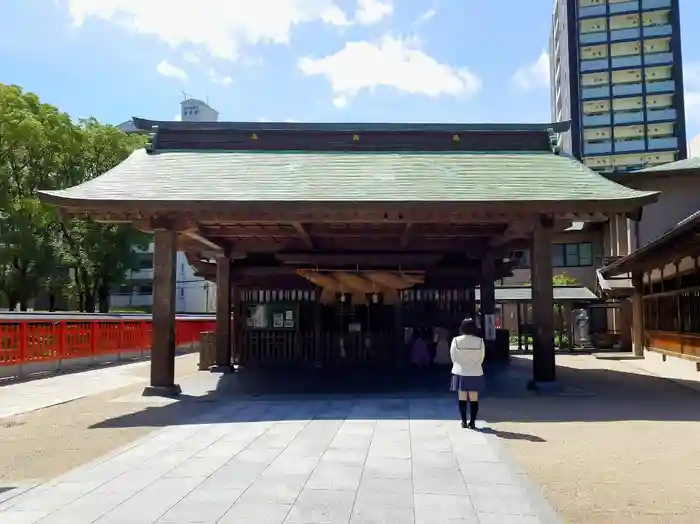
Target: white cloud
[372,11]
[217,78]
[392,62]
[219,27]
[191,57]
[430,13]
[691,79]
[165,68]
[534,75]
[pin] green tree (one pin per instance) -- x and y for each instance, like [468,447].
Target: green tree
[37,144]
[99,255]
[562,279]
[41,148]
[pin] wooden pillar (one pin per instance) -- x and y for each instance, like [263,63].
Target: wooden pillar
[399,353]
[488,292]
[223,315]
[163,330]
[518,320]
[638,315]
[237,323]
[543,361]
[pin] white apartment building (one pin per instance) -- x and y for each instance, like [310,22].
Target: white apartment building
[193,294]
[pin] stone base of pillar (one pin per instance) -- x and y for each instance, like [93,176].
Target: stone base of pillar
[550,388]
[218,368]
[162,391]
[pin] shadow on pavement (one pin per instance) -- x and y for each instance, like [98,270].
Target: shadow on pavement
[511,435]
[587,395]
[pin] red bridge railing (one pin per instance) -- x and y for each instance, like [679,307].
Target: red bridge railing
[28,338]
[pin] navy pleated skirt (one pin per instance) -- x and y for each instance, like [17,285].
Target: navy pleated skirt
[460,383]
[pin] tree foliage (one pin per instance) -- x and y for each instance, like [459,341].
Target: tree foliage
[78,259]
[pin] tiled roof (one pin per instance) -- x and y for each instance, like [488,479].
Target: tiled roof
[288,176]
[680,165]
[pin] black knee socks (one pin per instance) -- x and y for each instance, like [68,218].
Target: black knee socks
[473,411]
[463,410]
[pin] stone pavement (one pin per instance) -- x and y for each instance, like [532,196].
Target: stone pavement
[29,395]
[359,461]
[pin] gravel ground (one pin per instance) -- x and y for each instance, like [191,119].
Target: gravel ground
[629,452]
[46,443]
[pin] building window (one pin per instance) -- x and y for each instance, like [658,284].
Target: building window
[572,255]
[144,290]
[145,261]
[564,255]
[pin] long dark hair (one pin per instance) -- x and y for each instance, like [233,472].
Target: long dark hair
[467,327]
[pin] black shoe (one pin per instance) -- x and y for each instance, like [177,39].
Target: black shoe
[464,424]
[471,425]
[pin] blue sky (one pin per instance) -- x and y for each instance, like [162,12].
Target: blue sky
[301,60]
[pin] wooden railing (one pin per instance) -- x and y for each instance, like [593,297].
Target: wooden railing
[682,345]
[36,338]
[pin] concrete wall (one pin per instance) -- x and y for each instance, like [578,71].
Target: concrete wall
[679,199]
[585,276]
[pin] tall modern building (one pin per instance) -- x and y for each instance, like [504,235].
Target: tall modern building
[616,74]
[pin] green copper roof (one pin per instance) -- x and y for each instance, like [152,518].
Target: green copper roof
[243,176]
[680,165]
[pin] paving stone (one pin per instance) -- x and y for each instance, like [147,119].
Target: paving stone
[196,467]
[441,482]
[356,456]
[256,513]
[431,509]
[276,489]
[87,509]
[335,476]
[202,505]
[150,504]
[390,468]
[322,507]
[489,473]
[500,518]
[289,464]
[235,475]
[22,517]
[385,492]
[52,497]
[435,460]
[242,464]
[382,515]
[508,500]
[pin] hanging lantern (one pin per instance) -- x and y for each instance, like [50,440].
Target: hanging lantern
[375,298]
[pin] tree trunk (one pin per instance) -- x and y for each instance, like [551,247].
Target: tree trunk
[23,306]
[89,302]
[52,301]
[103,298]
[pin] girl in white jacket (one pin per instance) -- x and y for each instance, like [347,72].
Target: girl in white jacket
[467,352]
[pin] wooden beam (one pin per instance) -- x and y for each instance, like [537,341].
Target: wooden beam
[197,236]
[406,236]
[516,230]
[303,234]
[370,259]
